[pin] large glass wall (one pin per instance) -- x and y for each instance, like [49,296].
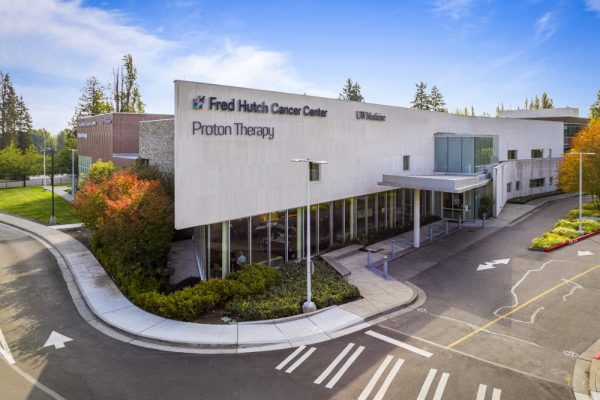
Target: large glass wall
[277,237]
[464,154]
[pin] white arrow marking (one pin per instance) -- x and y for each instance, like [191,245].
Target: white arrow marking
[57,340]
[584,253]
[4,350]
[502,261]
[487,265]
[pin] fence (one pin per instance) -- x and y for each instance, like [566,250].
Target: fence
[37,181]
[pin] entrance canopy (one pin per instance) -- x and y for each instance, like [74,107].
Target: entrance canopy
[438,183]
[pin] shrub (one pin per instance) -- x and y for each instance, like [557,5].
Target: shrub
[574,214]
[547,240]
[100,172]
[569,233]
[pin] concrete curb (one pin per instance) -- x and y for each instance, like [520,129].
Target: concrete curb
[106,309]
[585,368]
[526,214]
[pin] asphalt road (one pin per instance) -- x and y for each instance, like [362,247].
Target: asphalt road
[528,354]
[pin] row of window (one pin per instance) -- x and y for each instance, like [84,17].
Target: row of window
[535,153]
[533,183]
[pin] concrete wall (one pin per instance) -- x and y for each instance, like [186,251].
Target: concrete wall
[218,178]
[523,171]
[156,143]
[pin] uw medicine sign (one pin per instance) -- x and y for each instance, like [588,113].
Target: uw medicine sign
[244,106]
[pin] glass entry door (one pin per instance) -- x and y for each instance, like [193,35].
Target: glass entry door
[452,206]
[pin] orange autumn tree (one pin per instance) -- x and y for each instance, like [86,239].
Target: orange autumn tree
[132,219]
[586,141]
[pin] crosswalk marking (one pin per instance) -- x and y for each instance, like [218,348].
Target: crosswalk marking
[345,367]
[300,360]
[496,394]
[427,384]
[481,392]
[290,357]
[398,343]
[367,390]
[439,391]
[388,380]
[334,364]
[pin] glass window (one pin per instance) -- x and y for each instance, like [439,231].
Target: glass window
[278,238]
[323,226]
[215,259]
[372,213]
[238,233]
[441,154]
[454,154]
[338,222]
[484,152]
[537,153]
[508,187]
[313,229]
[518,185]
[381,211]
[512,154]
[350,218]
[295,233]
[535,183]
[84,164]
[468,155]
[361,216]
[314,172]
[405,163]
[551,180]
[260,238]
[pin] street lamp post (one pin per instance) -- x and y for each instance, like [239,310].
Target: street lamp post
[308,306]
[73,151]
[52,217]
[580,187]
[44,162]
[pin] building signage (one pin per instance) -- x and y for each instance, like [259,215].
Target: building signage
[370,116]
[87,123]
[237,129]
[213,103]
[106,120]
[82,135]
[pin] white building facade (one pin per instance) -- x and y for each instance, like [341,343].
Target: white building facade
[387,167]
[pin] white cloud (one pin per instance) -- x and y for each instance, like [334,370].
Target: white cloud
[593,5]
[67,42]
[545,26]
[453,8]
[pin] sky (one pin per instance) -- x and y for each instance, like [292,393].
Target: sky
[479,53]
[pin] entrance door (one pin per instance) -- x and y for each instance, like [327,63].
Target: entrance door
[452,206]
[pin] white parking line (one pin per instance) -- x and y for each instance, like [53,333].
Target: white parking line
[334,364]
[388,380]
[290,357]
[5,350]
[300,360]
[496,394]
[481,392]
[367,390]
[345,367]
[439,391]
[427,384]
[398,343]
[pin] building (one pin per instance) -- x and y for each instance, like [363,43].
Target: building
[110,137]
[568,116]
[236,186]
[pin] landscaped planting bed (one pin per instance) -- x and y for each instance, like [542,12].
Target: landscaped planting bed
[566,229]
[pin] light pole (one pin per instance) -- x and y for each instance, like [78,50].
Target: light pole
[308,306]
[52,217]
[44,161]
[580,187]
[73,151]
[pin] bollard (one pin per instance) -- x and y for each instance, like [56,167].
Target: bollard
[446,227]
[385,267]
[459,222]
[483,222]
[369,258]
[393,248]
[431,233]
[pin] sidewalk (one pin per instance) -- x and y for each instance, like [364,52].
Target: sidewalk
[61,191]
[586,375]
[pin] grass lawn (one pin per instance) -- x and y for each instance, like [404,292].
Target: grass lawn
[36,203]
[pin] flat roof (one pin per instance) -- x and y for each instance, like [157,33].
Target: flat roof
[439,183]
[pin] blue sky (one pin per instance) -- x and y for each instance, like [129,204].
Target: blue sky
[478,52]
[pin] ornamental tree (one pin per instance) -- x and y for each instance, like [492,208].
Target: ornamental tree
[595,108]
[586,141]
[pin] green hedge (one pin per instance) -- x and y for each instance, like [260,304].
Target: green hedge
[286,298]
[567,229]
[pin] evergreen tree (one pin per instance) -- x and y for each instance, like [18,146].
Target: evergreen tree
[93,101]
[8,111]
[595,108]
[526,103]
[500,108]
[23,125]
[351,92]
[125,92]
[547,101]
[41,138]
[536,103]
[436,100]
[472,111]
[421,100]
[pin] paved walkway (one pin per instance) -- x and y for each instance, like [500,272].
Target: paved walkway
[61,191]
